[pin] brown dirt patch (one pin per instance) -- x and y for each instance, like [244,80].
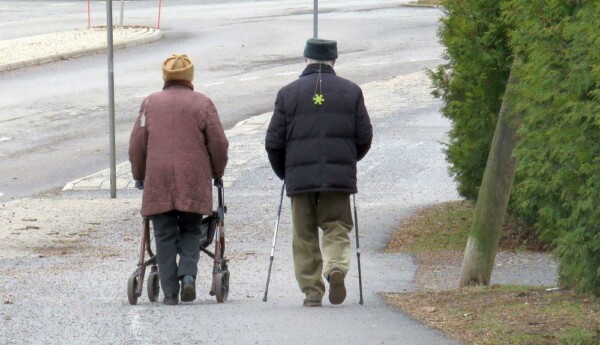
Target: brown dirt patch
[506,315]
[498,315]
[445,227]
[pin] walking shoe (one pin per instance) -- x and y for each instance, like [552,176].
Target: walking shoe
[171,299]
[337,289]
[312,303]
[188,289]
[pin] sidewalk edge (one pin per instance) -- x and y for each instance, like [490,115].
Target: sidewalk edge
[155,36]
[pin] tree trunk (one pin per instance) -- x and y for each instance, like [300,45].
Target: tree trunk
[494,194]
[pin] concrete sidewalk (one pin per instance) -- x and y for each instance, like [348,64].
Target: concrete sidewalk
[124,180]
[35,50]
[82,246]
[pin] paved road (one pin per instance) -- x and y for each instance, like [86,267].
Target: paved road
[63,275]
[54,117]
[65,258]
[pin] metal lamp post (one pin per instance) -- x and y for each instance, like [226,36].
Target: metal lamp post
[111,100]
[316,19]
[122,12]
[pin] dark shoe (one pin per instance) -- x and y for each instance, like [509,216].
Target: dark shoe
[337,289]
[171,299]
[312,303]
[188,289]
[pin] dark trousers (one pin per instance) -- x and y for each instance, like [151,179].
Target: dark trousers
[176,233]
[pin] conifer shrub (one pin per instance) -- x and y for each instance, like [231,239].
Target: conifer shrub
[557,184]
[471,84]
[558,92]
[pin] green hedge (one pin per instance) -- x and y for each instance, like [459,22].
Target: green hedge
[557,187]
[471,84]
[559,151]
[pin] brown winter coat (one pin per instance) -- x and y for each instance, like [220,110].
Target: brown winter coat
[176,149]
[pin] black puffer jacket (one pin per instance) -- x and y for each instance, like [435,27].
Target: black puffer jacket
[316,147]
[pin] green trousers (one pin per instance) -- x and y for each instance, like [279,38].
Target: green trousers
[331,212]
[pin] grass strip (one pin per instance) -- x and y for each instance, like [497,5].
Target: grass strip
[516,315]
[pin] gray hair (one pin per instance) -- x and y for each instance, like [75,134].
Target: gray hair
[328,62]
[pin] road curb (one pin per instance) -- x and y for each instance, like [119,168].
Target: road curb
[421,5]
[101,180]
[152,35]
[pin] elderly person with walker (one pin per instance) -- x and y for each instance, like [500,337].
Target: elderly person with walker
[319,130]
[177,146]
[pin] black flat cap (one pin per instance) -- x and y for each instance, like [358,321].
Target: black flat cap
[319,49]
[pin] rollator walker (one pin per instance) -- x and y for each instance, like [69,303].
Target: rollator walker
[214,228]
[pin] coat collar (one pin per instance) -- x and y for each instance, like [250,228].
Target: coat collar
[314,68]
[179,83]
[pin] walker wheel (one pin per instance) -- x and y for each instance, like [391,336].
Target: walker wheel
[131,287]
[222,286]
[153,286]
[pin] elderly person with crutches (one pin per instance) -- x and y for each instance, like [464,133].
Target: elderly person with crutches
[176,148]
[319,130]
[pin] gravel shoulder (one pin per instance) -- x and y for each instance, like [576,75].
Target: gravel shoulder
[441,271]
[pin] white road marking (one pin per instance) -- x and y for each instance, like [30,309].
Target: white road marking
[417,60]
[213,84]
[374,63]
[250,78]
[286,73]
[5,139]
